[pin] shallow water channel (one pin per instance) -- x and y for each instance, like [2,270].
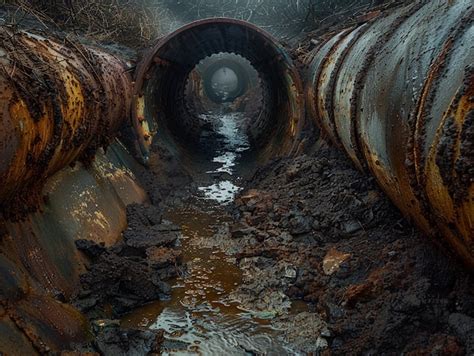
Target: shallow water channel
[200,318]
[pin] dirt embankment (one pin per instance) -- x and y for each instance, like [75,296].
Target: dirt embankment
[136,270]
[315,229]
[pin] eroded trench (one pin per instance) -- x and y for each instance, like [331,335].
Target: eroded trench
[121,232]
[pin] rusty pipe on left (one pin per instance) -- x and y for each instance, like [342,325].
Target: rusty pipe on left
[59,102]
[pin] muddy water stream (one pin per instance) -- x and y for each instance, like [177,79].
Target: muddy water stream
[200,318]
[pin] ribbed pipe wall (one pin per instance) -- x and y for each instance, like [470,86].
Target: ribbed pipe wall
[162,75]
[397,95]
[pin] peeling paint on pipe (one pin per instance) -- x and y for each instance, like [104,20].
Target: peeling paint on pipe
[59,102]
[396,94]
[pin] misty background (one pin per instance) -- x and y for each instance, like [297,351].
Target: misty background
[282,18]
[138,22]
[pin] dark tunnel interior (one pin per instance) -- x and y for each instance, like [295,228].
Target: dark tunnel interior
[162,99]
[225,77]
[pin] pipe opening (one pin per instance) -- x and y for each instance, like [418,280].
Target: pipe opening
[226,77]
[225,84]
[187,74]
[220,85]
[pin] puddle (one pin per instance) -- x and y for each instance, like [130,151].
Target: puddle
[222,192]
[200,318]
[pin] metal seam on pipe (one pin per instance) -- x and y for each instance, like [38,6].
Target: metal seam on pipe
[329,100]
[316,68]
[362,75]
[411,111]
[436,72]
[59,102]
[322,102]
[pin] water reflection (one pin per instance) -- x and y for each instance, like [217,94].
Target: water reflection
[200,318]
[234,143]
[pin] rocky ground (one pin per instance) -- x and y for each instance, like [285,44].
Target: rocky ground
[315,229]
[311,229]
[126,276]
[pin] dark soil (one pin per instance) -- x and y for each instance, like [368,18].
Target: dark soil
[135,271]
[132,272]
[166,180]
[379,284]
[126,276]
[111,339]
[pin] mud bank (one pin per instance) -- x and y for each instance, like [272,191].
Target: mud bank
[325,260]
[315,229]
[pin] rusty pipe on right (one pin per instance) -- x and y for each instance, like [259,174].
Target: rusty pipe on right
[59,102]
[397,93]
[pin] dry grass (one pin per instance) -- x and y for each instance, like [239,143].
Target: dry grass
[130,22]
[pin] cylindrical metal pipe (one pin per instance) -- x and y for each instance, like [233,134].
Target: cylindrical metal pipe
[396,94]
[159,100]
[59,102]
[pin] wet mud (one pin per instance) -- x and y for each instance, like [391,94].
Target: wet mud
[201,317]
[307,256]
[315,229]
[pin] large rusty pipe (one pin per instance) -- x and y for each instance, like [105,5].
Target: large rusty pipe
[59,102]
[159,104]
[397,95]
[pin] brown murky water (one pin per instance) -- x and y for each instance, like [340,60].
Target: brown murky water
[200,318]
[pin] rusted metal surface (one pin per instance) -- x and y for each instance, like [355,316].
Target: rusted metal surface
[160,76]
[397,94]
[39,262]
[48,324]
[316,68]
[13,341]
[59,102]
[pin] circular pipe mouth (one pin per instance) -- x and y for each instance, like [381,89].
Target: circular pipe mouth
[224,84]
[225,80]
[160,85]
